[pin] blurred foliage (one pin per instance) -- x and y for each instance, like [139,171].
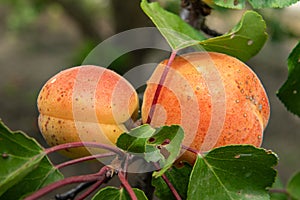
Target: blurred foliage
[97,19]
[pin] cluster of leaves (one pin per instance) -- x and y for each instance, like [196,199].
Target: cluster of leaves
[225,173]
[230,172]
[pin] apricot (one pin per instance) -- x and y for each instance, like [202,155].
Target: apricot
[216,98]
[85,103]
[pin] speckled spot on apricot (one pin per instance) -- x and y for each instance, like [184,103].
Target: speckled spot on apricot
[237,156]
[259,107]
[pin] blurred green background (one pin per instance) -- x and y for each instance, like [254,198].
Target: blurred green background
[38,38]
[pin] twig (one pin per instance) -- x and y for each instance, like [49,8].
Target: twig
[275,190]
[86,158]
[127,186]
[168,182]
[173,190]
[159,87]
[190,149]
[83,144]
[75,179]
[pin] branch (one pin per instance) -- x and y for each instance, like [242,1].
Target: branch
[84,144]
[190,149]
[167,181]
[194,13]
[173,190]
[86,158]
[101,175]
[127,186]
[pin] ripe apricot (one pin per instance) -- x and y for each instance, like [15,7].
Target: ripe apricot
[217,99]
[85,103]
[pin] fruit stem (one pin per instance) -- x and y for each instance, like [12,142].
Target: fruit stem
[99,176]
[127,186]
[86,158]
[83,144]
[159,87]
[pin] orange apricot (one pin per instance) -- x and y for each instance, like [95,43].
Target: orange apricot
[85,103]
[216,98]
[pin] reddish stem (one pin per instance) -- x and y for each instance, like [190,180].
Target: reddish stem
[127,186]
[168,182]
[75,179]
[190,149]
[173,190]
[159,87]
[83,144]
[86,158]
[275,190]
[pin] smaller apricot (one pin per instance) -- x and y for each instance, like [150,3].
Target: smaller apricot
[85,103]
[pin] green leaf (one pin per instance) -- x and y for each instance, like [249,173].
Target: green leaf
[233,172]
[179,177]
[22,162]
[240,4]
[244,41]
[176,31]
[154,145]
[293,186]
[41,176]
[289,93]
[167,140]
[19,155]
[135,140]
[116,193]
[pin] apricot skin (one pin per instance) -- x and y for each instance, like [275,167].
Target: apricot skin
[85,103]
[241,108]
